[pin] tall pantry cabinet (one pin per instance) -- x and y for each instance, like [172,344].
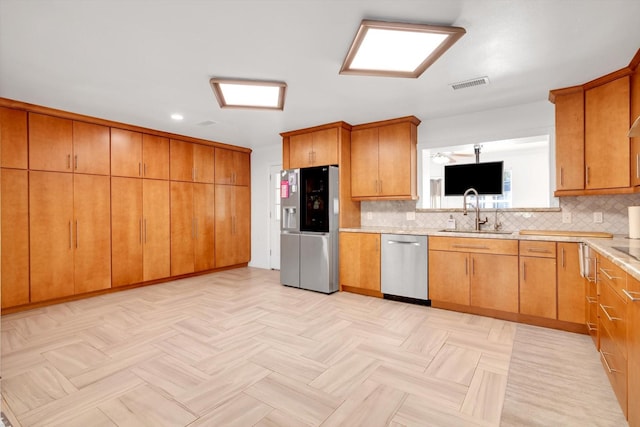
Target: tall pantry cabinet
[88,205]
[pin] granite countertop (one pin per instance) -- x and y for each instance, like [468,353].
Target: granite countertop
[606,247]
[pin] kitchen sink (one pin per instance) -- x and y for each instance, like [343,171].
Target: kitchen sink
[477,231]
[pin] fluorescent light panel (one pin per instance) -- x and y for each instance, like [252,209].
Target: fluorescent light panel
[397,49]
[249,93]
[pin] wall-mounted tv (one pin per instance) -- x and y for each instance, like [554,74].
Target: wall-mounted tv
[485,177]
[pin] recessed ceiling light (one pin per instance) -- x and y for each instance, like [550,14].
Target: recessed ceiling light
[249,93]
[177,117]
[396,49]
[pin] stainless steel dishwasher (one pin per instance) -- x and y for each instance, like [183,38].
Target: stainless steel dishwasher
[405,267]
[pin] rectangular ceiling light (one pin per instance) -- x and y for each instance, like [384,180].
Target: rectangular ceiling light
[249,93]
[395,49]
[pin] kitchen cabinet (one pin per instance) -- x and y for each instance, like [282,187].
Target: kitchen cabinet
[635,113]
[232,167]
[13,138]
[359,269]
[316,148]
[571,286]
[633,350]
[156,255]
[155,157]
[192,242]
[70,234]
[64,145]
[538,279]
[135,154]
[191,162]
[570,139]
[15,237]
[474,272]
[607,114]
[232,225]
[384,160]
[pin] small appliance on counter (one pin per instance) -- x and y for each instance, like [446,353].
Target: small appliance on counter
[309,228]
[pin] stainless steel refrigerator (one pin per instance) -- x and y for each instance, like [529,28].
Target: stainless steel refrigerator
[309,228]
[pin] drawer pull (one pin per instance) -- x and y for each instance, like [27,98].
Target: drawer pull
[471,247]
[606,362]
[610,277]
[591,300]
[592,327]
[606,313]
[539,251]
[630,295]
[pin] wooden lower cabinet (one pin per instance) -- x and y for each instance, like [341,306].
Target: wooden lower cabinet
[633,351]
[70,234]
[15,237]
[538,287]
[232,225]
[571,285]
[360,262]
[140,229]
[494,282]
[192,243]
[449,277]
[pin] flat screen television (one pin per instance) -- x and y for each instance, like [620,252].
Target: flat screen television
[485,177]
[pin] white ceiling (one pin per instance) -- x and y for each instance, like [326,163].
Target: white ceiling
[138,61]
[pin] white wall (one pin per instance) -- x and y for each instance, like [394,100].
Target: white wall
[261,161]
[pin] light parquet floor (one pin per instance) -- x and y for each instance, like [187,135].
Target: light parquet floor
[236,348]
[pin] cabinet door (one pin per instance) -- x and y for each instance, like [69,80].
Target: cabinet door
[301,151]
[91,148]
[50,143]
[606,141]
[50,237]
[155,156]
[449,277]
[325,147]
[182,228]
[364,163]
[92,216]
[635,113]
[360,260]
[242,224]
[232,167]
[633,351]
[223,225]
[126,153]
[494,282]
[181,160]
[394,160]
[571,288]
[570,141]
[203,212]
[156,229]
[15,237]
[126,223]
[203,163]
[538,287]
[13,138]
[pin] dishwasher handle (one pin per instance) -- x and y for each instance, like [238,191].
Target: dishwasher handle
[398,242]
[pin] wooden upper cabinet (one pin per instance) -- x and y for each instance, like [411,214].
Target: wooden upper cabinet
[607,149]
[232,167]
[91,148]
[570,140]
[203,163]
[126,153]
[315,148]
[15,237]
[155,156]
[384,160]
[635,142]
[13,138]
[50,143]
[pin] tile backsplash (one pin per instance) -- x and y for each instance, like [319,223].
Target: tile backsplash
[581,208]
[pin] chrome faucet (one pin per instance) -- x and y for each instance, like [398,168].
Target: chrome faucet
[478,221]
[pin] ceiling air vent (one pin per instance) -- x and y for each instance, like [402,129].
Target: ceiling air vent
[470,83]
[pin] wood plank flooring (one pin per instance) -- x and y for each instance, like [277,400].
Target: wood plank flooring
[236,348]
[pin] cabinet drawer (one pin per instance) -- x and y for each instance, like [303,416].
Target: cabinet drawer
[537,248]
[469,244]
[615,367]
[613,275]
[613,317]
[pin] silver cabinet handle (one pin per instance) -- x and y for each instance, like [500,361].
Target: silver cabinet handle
[466,266]
[606,362]
[140,229]
[70,235]
[606,313]
[398,242]
[591,300]
[591,327]
[145,230]
[562,257]
[638,165]
[75,159]
[610,277]
[587,175]
[144,169]
[195,175]
[630,295]
[473,266]
[139,169]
